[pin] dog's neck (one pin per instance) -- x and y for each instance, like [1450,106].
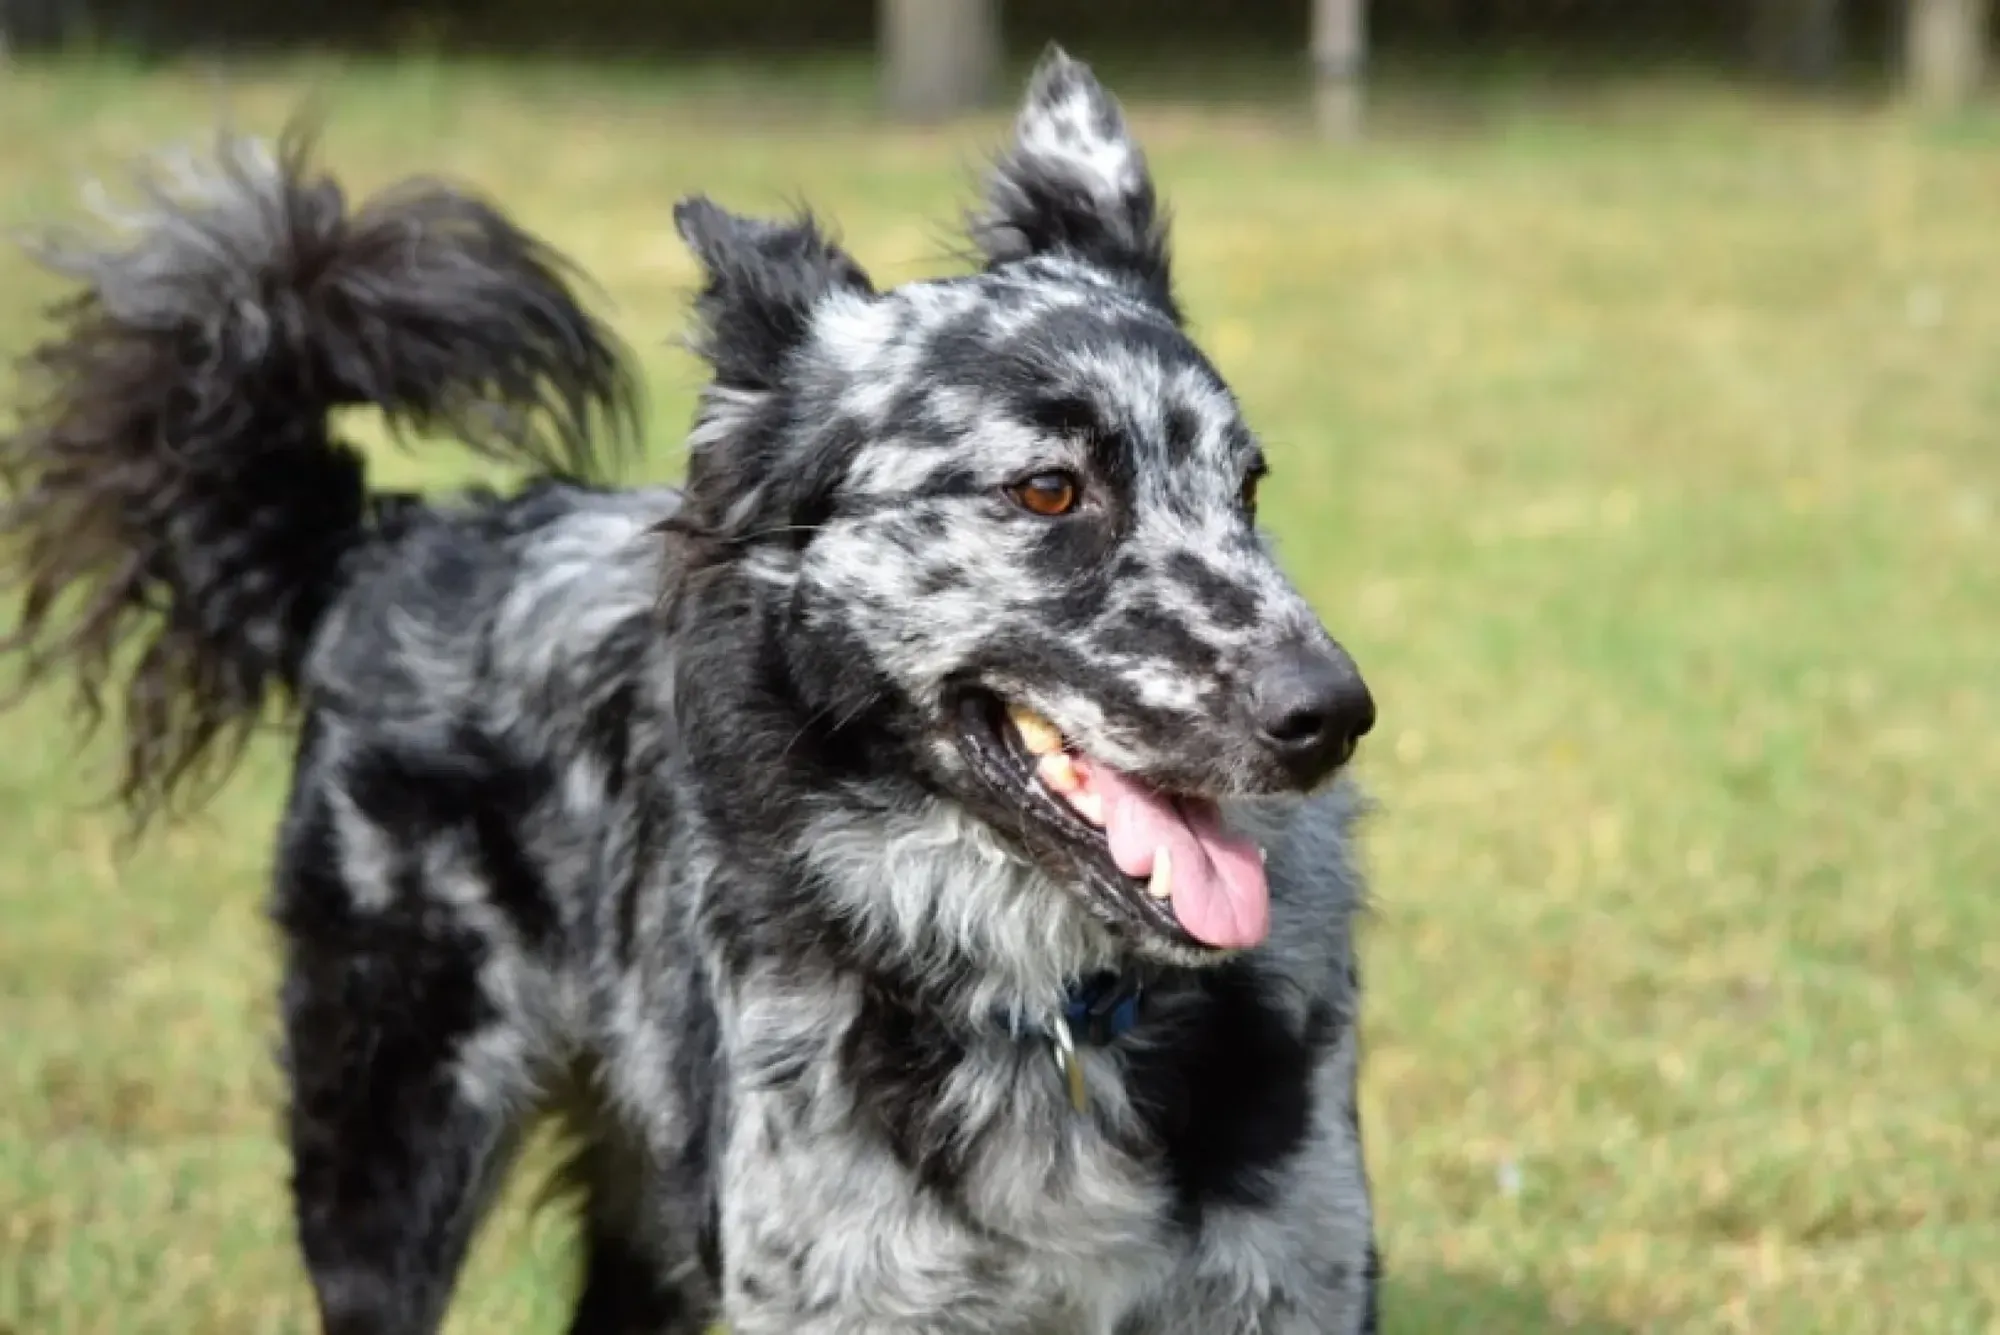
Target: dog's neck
[974,928]
[912,889]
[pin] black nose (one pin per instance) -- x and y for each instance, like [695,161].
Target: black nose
[1311,705]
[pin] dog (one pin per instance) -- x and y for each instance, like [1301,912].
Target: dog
[913,857]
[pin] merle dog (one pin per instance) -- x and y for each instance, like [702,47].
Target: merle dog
[912,858]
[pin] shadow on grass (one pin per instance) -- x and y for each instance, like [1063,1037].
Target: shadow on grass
[1418,1302]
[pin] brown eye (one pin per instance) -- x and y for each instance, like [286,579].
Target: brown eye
[1249,498]
[1049,495]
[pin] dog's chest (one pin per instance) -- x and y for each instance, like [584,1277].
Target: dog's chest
[1095,1220]
[1048,1223]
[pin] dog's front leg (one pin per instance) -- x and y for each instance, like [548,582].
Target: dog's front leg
[1303,1261]
[825,1232]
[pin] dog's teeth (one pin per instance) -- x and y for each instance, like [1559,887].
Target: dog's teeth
[1161,886]
[1089,804]
[1037,733]
[1058,771]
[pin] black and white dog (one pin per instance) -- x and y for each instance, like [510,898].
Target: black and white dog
[911,857]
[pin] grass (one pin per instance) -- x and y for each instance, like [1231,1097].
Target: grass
[1644,449]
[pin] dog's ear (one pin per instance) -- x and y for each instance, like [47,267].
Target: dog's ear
[762,281]
[1075,182]
[751,469]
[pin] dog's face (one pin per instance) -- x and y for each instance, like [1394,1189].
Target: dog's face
[1013,516]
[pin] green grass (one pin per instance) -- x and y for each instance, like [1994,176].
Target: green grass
[1646,449]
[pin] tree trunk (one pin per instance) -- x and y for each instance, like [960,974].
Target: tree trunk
[1945,50]
[938,56]
[1798,40]
[1339,58]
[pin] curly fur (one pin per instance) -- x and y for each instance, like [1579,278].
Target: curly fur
[672,812]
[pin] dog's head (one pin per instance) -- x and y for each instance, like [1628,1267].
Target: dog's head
[1011,516]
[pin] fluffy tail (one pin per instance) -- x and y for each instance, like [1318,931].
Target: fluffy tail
[177,514]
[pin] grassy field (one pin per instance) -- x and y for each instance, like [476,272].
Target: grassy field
[1646,449]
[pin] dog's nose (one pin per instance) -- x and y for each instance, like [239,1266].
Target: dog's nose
[1311,705]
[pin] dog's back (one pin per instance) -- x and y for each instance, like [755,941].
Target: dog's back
[513,618]
[477,669]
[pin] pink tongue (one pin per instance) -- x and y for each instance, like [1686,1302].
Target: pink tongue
[1220,894]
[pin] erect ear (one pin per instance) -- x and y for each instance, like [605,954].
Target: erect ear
[762,282]
[1075,182]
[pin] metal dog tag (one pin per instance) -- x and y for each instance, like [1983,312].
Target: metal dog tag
[1070,1065]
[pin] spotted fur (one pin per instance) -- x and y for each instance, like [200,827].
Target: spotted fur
[650,808]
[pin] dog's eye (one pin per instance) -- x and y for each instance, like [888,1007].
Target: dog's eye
[1049,495]
[1249,496]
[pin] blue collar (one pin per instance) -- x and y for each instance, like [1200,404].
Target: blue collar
[1099,1010]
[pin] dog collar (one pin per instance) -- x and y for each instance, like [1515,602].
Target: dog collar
[1098,1011]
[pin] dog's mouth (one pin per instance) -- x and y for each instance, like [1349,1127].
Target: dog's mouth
[1159,862]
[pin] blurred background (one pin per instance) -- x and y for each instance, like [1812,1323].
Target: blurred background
[1631,369]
